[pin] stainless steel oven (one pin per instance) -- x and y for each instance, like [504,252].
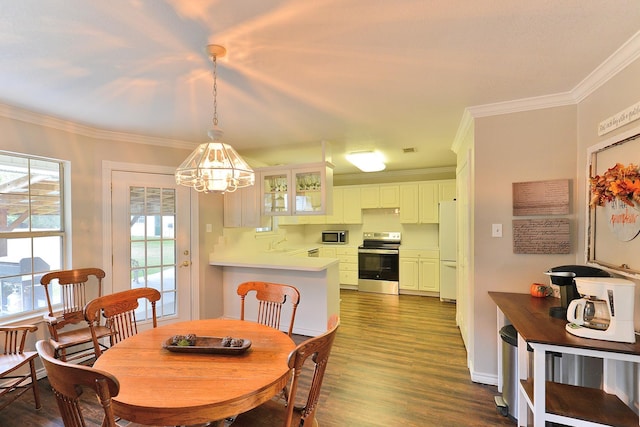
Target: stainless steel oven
[378,262]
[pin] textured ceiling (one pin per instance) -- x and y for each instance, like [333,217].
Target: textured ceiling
[361,74]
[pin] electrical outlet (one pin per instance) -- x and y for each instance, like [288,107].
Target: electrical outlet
[496,230]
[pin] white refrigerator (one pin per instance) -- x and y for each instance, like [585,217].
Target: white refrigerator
[447,239]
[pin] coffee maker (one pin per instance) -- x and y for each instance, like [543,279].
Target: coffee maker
[605,311]
[562,280]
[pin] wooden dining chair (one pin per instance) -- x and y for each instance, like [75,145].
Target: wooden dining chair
[17,368]
[119,311]
[274,412]
[68,329]
[271,298]
[68,381]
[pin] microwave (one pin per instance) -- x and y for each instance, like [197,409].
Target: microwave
[338,237]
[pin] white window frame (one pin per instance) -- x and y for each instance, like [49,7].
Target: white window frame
[36,313]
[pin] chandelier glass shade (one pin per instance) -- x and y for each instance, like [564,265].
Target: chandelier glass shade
[215,166]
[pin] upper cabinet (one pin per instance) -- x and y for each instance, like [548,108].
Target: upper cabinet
[448,190]
[301,190]
[313,189]
[276,192]
[346,206]
[380,196]
[409,209]
[419,200]
[351,205]
[428,204]
[242,207]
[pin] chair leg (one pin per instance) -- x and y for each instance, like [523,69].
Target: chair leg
[34,384]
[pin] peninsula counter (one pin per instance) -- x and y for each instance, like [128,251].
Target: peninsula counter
[317,280]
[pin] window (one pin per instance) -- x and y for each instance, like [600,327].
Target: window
[32,232]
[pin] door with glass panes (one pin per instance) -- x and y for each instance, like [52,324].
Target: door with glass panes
[151,245]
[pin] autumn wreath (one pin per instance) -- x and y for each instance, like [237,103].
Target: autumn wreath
[619,182]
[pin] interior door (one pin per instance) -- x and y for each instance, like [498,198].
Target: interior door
[151,243]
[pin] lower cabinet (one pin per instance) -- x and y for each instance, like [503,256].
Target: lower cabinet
[348,266]
[420,270]
[328,252]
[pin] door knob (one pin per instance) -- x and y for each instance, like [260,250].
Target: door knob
[185,264]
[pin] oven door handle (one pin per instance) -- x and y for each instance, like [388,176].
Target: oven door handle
[378,251]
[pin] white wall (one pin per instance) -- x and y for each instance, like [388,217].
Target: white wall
[86,155]
[536,145]
[619,93]
[518,147]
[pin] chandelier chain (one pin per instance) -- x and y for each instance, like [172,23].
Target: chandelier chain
[215,92]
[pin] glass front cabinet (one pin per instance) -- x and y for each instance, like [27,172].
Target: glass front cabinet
[302,190]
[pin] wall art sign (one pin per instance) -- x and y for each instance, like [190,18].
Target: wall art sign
[541,197]
[613,204]
[541,236]
[620,119]
[623,220]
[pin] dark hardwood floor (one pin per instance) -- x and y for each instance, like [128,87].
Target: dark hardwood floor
[396,361]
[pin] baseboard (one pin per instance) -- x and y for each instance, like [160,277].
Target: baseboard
[484,378]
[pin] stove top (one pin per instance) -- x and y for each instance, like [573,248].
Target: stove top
[381,240]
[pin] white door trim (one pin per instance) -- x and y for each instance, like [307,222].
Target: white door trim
[109,166]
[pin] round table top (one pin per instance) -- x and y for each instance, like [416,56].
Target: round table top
[158,386]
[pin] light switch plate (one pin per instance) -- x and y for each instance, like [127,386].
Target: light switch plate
[496,230]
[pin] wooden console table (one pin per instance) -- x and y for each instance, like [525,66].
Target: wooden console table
[556,402]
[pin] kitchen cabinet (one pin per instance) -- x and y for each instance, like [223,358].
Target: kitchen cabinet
[352,209]
[419,200]
[276,192]
[328,252]
[346,206]
[419,203]
[447,190]
[409,203]
[337,216]
[348,266]
[419,270]
[380,196]
[428,203]
[242,207]
[300,190]
[346,210]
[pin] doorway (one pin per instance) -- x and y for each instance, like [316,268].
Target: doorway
[150,239]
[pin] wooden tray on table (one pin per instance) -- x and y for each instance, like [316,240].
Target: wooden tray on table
[212,345]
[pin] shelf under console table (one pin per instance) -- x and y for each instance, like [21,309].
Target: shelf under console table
[556,402]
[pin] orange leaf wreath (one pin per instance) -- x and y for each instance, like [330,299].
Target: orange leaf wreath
[618,182]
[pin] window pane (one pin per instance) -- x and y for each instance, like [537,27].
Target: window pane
[14,193]
[45,195]
[30,201]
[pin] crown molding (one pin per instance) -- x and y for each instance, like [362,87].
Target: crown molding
[466,126]
[615,63]
[17,113]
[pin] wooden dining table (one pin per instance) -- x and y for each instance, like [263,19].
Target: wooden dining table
[162,387]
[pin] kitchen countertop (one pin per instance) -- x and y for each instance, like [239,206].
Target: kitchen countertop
[272,260]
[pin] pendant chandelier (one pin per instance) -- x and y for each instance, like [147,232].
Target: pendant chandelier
[215,166]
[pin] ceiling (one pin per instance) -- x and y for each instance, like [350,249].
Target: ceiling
[360,74]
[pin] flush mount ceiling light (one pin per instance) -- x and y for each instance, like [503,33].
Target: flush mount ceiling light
[215,166]
[367,161]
